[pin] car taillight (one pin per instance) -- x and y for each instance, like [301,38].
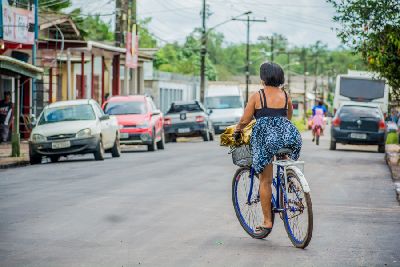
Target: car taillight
[382,125]
[199,119]
[336,122]
[167,121]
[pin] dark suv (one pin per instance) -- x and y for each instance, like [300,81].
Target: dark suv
[188,119]
[358,124]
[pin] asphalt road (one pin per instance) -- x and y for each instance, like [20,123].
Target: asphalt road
[173,208]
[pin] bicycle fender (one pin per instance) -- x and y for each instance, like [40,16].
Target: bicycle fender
[303,181]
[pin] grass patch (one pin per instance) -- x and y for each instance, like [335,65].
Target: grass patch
[300,124]
[392,139]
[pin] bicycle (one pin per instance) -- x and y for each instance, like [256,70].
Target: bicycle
[290,196]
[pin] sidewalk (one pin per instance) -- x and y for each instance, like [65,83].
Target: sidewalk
[6,161]
[393,160]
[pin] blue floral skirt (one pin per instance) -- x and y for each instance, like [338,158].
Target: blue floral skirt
[271,134]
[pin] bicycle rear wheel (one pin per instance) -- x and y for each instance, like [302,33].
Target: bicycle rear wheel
[250,213]
[297,216]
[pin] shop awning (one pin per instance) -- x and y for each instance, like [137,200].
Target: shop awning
[14,66]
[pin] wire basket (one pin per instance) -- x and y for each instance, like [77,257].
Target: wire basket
[242,156]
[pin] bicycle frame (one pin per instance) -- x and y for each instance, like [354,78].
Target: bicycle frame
[279,182]
[276,182]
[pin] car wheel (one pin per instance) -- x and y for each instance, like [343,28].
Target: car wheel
[35,159]
[333,145]
[206,136]
[116,149]
[381,148]
[99,153]
[212,135]
[161,143]
[153,145]
[54,159]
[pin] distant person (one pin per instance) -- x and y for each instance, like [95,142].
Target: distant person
[319,113]
[5,116]
[394,116]
[106,96]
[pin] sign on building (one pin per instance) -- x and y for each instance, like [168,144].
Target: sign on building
[132,49]
[17,24]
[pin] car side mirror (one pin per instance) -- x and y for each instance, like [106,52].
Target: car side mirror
[105,117]
[210,111]
[156,112]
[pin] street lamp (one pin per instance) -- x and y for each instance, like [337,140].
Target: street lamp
[203,50]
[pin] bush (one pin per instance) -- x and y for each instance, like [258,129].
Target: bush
[300,124]
[392,139]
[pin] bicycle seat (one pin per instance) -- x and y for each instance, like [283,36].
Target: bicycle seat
[283,151]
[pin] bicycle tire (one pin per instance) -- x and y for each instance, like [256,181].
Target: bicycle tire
[317,140]
[235,201]
[304,242]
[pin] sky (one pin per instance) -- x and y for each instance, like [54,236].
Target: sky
[303,22]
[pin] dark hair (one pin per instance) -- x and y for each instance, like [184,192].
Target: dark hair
[272,74]
[320,103]
[7,93]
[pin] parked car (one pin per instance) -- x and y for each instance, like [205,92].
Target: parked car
[141,123]
[360,124]
[188,119]
[73,127]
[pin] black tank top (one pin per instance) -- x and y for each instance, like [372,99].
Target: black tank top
[265,111]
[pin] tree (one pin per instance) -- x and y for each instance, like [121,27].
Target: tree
[96,29]
[372,28]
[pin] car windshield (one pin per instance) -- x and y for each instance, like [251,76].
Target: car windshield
[125,108]
[223,102]
[359,112]
[67,113]
[191,107]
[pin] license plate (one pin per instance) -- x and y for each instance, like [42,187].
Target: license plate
[184,130]
[59,145]
[124,136]
[358,136]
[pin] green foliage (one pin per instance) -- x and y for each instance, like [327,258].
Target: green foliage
[96,29]
[392,139]
[146,39]
[372,28]
[300,125]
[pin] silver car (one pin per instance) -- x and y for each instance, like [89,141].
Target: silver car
[188,119]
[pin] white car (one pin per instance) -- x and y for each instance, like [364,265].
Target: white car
[73,127]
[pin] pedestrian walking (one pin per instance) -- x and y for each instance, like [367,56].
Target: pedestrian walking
[5,116]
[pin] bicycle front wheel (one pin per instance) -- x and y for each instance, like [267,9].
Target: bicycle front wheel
[297,215]
[249,213]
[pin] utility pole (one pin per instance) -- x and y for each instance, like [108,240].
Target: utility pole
[34,49]
[118,30]
[305,84]
[272,48]
[203,52]
[288,72]
[248,20]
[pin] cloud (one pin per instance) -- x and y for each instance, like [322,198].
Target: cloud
[303,22]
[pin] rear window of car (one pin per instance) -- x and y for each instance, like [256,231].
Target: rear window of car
[359,112]
[125,108]
[192,107]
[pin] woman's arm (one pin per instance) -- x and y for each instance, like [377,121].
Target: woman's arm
[247,115]
[290,108]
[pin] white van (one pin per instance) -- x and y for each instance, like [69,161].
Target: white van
[226,102]
[361,86]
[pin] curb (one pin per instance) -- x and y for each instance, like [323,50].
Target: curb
[21,163]
[392,158]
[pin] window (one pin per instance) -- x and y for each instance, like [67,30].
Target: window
[98,110]
[189,107]
[67,113]
[359,112]
[223,102]
[359,89]
[124,108]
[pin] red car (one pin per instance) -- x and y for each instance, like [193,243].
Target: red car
[140,122]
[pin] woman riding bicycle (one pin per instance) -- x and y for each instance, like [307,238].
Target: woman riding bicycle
[272,108]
